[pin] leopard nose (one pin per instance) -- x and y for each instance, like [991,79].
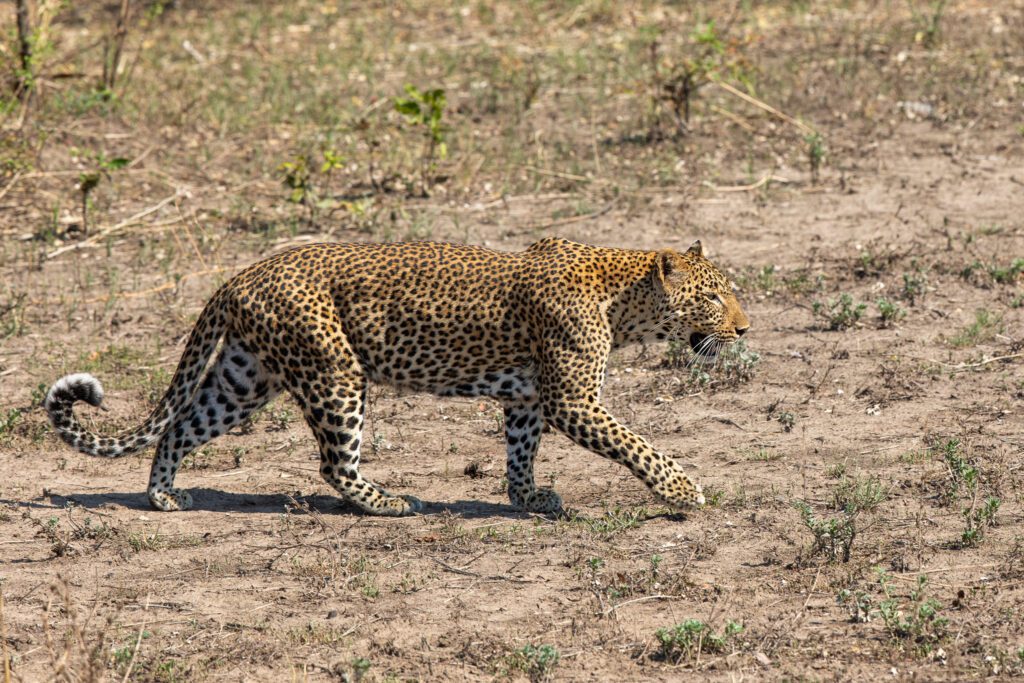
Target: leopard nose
[740,331]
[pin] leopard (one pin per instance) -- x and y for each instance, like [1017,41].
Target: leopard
[531,329]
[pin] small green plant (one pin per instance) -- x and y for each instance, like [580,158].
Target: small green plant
[889,312]
[918,621]
[735,365]
[837,471]
[1008,275]
[963,476]
[963,483]
[815,154]
[296,176]
[426,109]
[913,286]
[12,314]
[676,82]
[684,642]
[977,519]
[538,662]
[859,603]
[928,23]
[765,280]
[612,521]
[713,496]
[833,536]
[360,667]
[985,327]
[787,420]
[89,180]
[855,494]
[840,313]
[8,419]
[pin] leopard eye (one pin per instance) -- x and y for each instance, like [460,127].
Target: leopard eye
[714,298]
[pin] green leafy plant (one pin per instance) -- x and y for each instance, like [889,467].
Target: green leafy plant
[913,286]
[815,154]
[538,662]
[735,365]
[859,603]
[787,420]
[833,537]
[889,312]
[963,476]
[89,180]
[1009,274]
[929,23]
[298,178]
[985,327]
[676,82]
[919,621]
[840,313]
[8,419]
[425,109]
[963,483]
[684,642]
[854,494]
[977,519]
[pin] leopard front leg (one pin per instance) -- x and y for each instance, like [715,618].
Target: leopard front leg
[591,426]
[523,422]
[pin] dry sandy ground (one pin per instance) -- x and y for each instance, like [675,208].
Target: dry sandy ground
[863,465]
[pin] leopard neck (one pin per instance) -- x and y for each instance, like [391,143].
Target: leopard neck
[637,307]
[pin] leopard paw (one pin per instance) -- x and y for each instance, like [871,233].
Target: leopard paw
[543,501]
[678,490]
[392,506]
[170,500]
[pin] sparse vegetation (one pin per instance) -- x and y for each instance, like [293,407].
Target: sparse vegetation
[889,313]
[537,662]
[985,327]
[833,537]
[841,313]
[736,364]
[685,642]
[859,157]
[916,620]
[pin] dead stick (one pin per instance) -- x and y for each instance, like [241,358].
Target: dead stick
[3,638]
[766,107]
[24,49]
[114,228]
[138,641]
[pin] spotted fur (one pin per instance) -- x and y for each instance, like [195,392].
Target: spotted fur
[531,329]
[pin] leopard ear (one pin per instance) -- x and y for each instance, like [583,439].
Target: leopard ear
[696,248]
[666,264]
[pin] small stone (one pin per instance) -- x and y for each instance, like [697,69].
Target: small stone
[333,614]
[762,659]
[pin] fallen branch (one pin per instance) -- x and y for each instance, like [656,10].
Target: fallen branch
[807,130]
[960,367]
[138,642]
[768,178]
[612,609]
[3,639]
[562,221]
[105,232]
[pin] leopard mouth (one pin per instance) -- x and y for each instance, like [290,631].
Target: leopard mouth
[703,345]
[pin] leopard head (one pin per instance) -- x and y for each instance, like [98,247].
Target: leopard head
[700,305]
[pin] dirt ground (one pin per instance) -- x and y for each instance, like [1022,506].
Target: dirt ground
[859,172]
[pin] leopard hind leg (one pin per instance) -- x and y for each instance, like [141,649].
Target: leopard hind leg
[235,385]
